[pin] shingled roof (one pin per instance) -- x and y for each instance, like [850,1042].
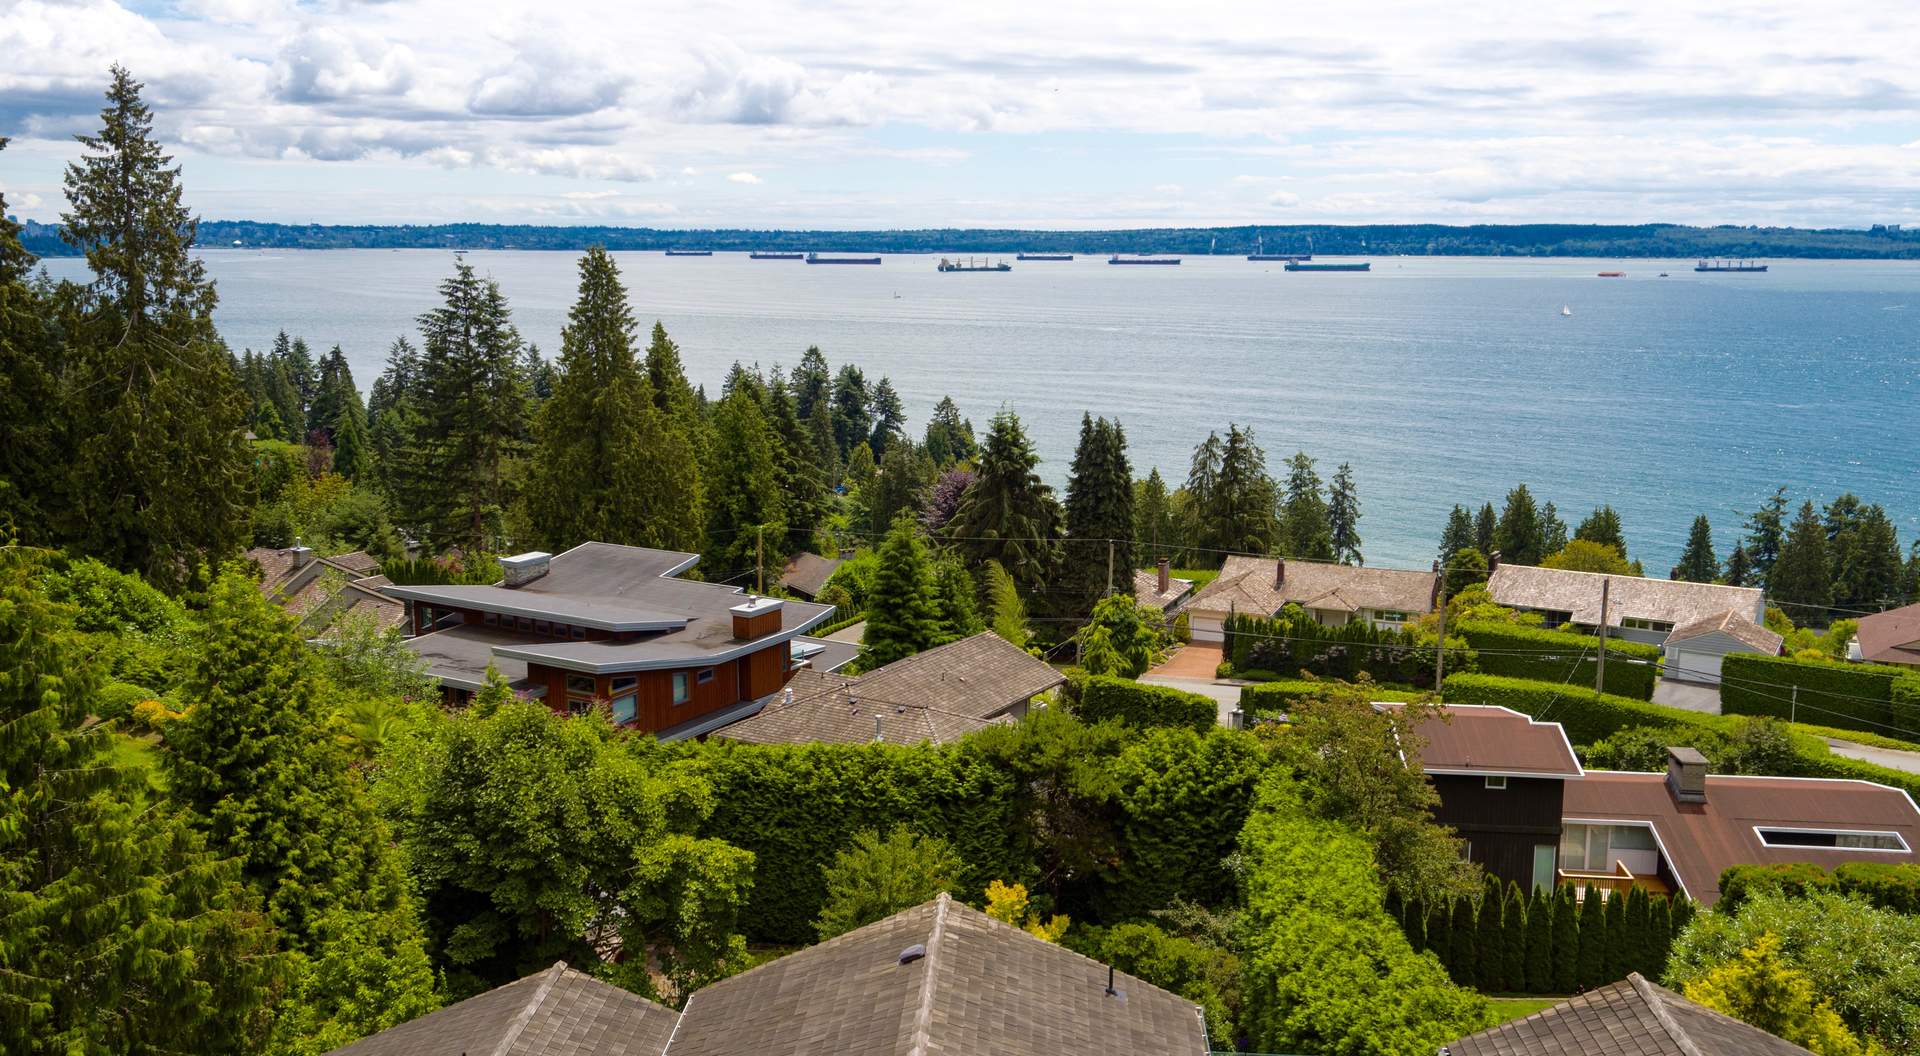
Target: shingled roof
[1489,739]
[1632,1017]
[1628,597]
[1890,637]
[1264,585]
[321,590]
[938,695]
[807,574]
[975,986]
[1734,626]
[558,1012]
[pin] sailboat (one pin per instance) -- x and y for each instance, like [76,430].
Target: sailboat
[1564,310]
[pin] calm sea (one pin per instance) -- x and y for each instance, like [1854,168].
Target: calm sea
[1441,380]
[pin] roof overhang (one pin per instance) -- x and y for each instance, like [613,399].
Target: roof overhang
[509,602]
[536,654]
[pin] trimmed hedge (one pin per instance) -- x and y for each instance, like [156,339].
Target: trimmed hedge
[1293,642]
[1874,697]
[1510,943]
[1140,704]
[1589,718]
[1273,698]
[1513,651]
[1887,885]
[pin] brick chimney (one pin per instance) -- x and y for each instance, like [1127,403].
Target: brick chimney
[1165,580]
[1493,562]
[1279,572]
[1687,775]
[522,569]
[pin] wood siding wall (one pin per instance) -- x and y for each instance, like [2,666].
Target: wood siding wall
[752,676]
[1502,825]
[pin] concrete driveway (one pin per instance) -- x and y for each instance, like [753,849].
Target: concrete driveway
[1887,757]
[1191,668]
[1693,696]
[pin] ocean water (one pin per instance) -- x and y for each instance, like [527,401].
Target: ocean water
[1441,380]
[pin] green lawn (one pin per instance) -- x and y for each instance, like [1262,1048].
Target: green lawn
[1200,576]
[1506,1008]
[139,755]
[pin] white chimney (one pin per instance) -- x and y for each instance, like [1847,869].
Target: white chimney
[521,569]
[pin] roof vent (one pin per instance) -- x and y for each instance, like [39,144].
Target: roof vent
[1687,775]
[912,953]
[1113,991]
[522,569]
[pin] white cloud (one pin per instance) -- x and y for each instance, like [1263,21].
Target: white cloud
[742,177]
[324,64]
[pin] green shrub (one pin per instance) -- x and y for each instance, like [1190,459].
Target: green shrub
[1182,800]
[1201,972]
[1140,704]
[1284,646]
[1513,651]
[108,601]
[1874,697]
[1272,698]
[117,699]
[1888,885]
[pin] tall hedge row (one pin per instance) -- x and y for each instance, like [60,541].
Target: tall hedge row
[1543,943]
[1874,697]
[1142,705]
[1293,642]
[1266,699]
[1328,969]
[1536,653]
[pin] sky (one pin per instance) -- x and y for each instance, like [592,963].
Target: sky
[1052,114]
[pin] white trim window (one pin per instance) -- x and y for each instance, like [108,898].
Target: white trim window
[1641,623]
[1497,782]
[1830,839]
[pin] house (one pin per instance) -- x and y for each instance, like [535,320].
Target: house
[1890,637]
[938,695]
[1638,609]
[1694,650]
[1156,589]
[1335,595]
[321,590]
[1501,777]
[601,622]
[806,574]
[938,978]
[1632,1017]
[1531,815]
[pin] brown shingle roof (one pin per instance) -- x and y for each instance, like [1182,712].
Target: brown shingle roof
[1487,739]
[1733,625]
[1146,589]
[1632,1017]
[320,590]
[1665,600]
[807,574]
[1891,637]
[1247,585]
[938,695]
[982,987]
[558,1012]
[1700,840]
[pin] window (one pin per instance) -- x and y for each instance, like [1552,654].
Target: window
[491,619]
[524,624]
[624,708]
[681,692]
[1543,874]
[1466,850]
[577,706]
[1639,624]
[1385,616]
[705,676]
[579,633]
[1594,848]
[622,683]
[1838,839]
[1497,781]
[581,684]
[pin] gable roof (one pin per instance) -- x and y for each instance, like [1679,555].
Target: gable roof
[1890,637]
[1488,739]
[1701,840]
[808,573]
[1632,1017]
[558,1012]
[1247,585]
[1146,590]
[320,590]
[1628,597]
[1734,626]
[981,987]
[938,695]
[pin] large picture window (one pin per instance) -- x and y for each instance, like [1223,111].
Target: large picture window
[681,690]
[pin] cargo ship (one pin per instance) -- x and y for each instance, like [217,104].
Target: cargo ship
[1729,265]
[1118,259]
[971,264]
[1301,265]
[758,255]
[1043,256]
[1613,274]
[689,252]
[815,258]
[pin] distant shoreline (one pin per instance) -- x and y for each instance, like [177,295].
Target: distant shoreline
[1650,241]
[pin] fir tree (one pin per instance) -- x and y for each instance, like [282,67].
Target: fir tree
[903,610]
[1870,578]
[825,450]
[1234,499]
[629,478]
[803,479]
[473,407]
[1464,960]
[353,450]
[1739,570]
[746,510]
[32,463]
[120,932]
[1592,961]
[813,386]
[1553,530]
[1540,959]
[159,470]
[1008,612]
[1766,534]
[954,596]
[393,427]
[685,407]
[1440,934]
[1457,536]
[1484,525]
[889,418]
[1156,520]
[900,486]
[1698,564]
[949,437]
[1518,536]
[852,410]
[283,390]
[1566,942]
[1343,517]
[1602,526]
[1491,938]
[1008,515]
[1098,549]
[1306,531]
[1622,951]
[860,467]
[1637,927]
[1800,581]
[332,395]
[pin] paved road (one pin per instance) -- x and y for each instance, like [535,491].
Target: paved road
[1228,695]
[852,633]
[1887,757]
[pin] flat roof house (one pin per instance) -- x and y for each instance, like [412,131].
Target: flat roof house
[673,657]
[1890,637]
[1334,594]
[938,978]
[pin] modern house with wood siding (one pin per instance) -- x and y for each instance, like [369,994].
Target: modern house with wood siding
[614,624]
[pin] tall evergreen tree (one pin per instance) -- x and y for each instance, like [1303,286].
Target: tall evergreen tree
[1156,521]
[1491,938]
[825,449]
[1234,500]
[1440,934]
[956,599]
[1636,947]
[609,466]
[1099,515]
[159,469]
[1518,536]
[333,393]
[1739,570]
[1343,517]
[393,428]
[1766,534]
[746,509]
[1622,949]
[686,408]
[949,436]
[1553,530]
[899,486]
[852,410]
[1539,973]
[1457,536]
[1698,564]
[32,464]
[352,448]
[1800,581]
[802,478]
[119,930]
[1566,941]
[1305,529]
[1513,920]
[1008,515]
[1484,524]
[1603,526]
[903,610]
[812,385]
[1868,578]
[473,424]
[1592,963]
[889,418]
[1464,962]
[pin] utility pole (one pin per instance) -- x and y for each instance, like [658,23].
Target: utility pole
[1600,663]
[760,555]
[1440,647]
[1109,568]
[1793,712]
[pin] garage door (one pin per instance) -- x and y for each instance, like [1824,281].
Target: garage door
[1689,665]
[1206,628]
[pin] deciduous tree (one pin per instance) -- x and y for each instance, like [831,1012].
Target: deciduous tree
[873,878]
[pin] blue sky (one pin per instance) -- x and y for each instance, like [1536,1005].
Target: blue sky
[988,113]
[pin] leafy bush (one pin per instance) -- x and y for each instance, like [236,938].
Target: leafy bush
[1142,705]
[1874,697]
[874,878]
[1182,798]
[1201,972]
[117,700]
[1293,642]
[1273,698]
[474,569]
[1889,885]
[1513,651]
[107,601]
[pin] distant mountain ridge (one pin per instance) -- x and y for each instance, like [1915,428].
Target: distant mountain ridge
[1503,240]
